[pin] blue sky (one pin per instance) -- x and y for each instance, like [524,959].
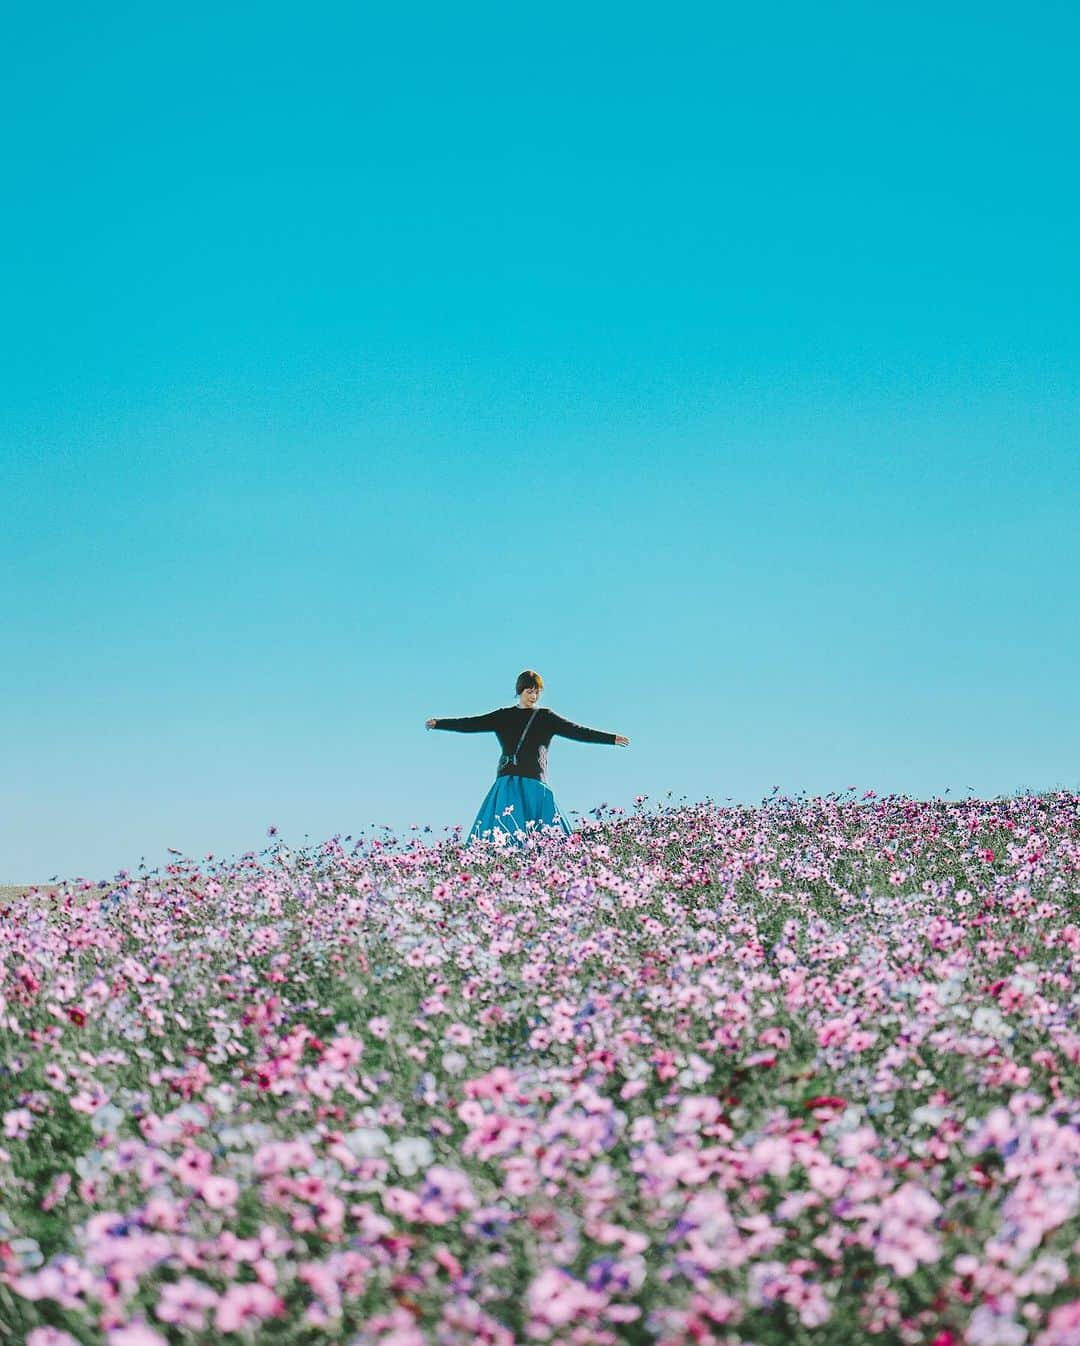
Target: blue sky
[719,362]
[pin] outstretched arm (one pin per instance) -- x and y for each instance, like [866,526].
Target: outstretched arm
[568,729]
[467,724]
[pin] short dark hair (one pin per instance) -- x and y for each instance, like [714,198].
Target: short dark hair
[530,678]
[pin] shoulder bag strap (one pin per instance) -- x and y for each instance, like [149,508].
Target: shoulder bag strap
[512,757]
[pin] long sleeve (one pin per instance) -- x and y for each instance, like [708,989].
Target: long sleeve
[568,729]
[471,724]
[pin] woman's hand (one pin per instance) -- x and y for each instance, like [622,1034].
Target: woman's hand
[622,742]
[430,724]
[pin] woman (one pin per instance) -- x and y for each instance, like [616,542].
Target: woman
[520,795]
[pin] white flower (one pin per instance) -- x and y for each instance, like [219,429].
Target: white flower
[221,1099]
[698,1068]
[191,1112]
[106,1119]
[90,1165]
[454,1062]
[26,1253]
[987,1328]
[988,1020]
[411,1153]
[367,1142]
[949,992]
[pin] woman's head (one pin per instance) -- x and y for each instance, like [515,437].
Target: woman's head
[529,686]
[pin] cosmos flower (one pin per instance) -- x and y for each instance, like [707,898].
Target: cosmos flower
[706,1072]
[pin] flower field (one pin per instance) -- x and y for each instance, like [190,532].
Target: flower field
[803,1073]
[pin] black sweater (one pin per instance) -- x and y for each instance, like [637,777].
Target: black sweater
[509,721]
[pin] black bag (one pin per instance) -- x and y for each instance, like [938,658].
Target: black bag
[510,758]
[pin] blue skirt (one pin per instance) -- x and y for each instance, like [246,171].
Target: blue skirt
[517,806]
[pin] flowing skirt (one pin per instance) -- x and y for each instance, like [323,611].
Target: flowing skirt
[517,807]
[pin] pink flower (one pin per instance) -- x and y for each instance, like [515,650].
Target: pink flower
[135,1334]
[446,1192]
[161,1212]
[1062,1326]
[902,1239]
[496,1134]
[192,1167]
[520,1176]
[50,1336]
[496,1084]
[17,1123]
[275,1156]
[833,1031]
[241,1305]
[829,1180]
[343,1052]
[400,1201]
[808,1300]
[321,1281]
[556,1299]
[58,1189]
[218,1192]
[185,1303]
[772,1282]
[664,1061]
[88,1101]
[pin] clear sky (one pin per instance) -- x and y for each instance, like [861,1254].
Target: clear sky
[721,362]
